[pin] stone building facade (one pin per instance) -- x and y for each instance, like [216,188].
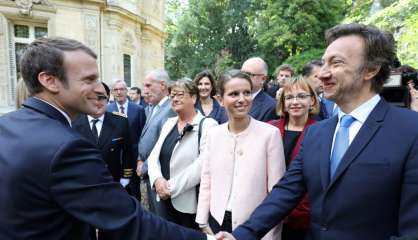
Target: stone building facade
[127,35]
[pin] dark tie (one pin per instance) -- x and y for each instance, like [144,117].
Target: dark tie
[341,143]
[94,129]
[122,109]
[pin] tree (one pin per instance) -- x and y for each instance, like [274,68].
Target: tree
[207,31]
[288,28]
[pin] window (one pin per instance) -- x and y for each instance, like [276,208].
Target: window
[127,69]
[23,34]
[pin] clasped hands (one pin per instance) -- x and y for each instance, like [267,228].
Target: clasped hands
[162,187]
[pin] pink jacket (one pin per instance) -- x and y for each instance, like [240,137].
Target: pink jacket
[259,163]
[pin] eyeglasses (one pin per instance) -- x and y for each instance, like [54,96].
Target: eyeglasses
[119,89]
[179,95]
[254,74]
[299,97]
[101,98]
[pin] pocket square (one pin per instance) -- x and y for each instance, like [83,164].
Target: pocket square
[117,139]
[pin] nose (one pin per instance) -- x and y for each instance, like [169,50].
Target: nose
[324,73]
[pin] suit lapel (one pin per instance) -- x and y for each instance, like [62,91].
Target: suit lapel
[255,108]
[363,137]
[325,150]
[106,132]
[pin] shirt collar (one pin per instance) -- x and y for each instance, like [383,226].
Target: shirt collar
[255,94]
[162,101]
[90,118]
[59,110]
[125,106]
[363,111]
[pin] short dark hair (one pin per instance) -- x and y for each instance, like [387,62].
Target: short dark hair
[136,89]
[47,55]
[107,89]
[307,69]
[378,49]
[208,74]
[234,73]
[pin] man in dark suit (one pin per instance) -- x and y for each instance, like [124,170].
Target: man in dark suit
[263,107]
[135,113]
[54,182]
[110,132]
[311,73]
[136,119]
[136,97]
[359,168]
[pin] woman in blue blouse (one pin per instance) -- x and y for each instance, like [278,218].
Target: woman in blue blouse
[205,103]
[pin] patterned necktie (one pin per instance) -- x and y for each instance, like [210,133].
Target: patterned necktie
[341,142]
[122,109]
[94,129]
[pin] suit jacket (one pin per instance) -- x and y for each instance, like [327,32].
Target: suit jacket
[259,164]
[136,118]
[55,184]
[114,143]
[263,107]
[185,164]
[374,192]
[151,132]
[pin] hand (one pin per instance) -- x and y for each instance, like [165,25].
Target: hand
[139,164]
[224,236]
[279,93]
[124,182]
[162,188]
[207,230]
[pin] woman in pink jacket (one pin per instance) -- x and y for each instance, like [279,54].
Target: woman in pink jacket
[242,160]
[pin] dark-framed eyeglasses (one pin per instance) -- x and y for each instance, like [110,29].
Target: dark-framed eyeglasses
[178,95]
[299,97]
[254,74]
[101,98]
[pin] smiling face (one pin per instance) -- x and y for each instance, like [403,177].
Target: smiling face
[297,102]
[77,94]
[237,98]
[205,87]
[342,75]
[181,100]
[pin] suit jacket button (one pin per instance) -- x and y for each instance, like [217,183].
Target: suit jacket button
[324,227]
[112,149]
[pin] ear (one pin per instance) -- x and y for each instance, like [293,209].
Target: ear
[221,101]
[194,98]
[371,71]
[49,82]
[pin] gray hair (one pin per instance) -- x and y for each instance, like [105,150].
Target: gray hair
[116,81]
[262,62]
[160,75]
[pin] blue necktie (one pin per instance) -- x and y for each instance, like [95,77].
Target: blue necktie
[341,143]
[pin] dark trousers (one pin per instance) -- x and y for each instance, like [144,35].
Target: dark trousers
[166,210]
[226,225]
[289,233]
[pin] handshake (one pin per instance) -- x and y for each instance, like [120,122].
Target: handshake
[219,236]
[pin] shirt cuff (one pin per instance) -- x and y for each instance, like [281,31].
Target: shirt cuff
[210,237]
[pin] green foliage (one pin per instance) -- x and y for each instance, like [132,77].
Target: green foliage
[299,60]
[287,28]
[399,18]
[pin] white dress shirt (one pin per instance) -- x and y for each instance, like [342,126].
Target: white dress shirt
[125,107]
[360,114]
[99,123]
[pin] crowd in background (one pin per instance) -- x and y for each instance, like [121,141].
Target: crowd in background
[204,153]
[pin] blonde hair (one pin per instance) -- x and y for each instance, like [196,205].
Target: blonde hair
[22,93]
[298,82]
